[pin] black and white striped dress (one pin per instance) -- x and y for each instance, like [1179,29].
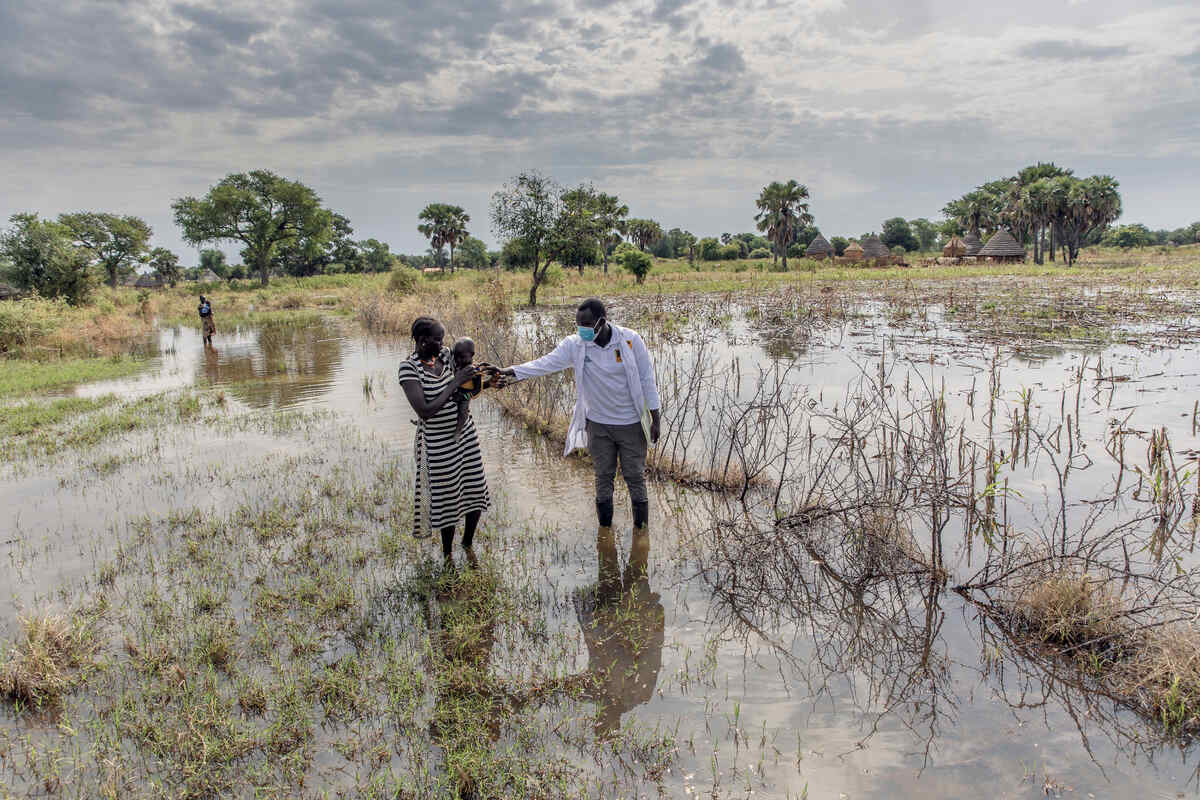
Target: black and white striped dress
[449,475]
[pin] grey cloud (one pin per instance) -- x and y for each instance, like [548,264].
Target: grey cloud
[228,27]
[1074,50]
[673,13]
[98,80]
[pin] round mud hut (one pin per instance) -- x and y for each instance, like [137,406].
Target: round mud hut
[875,250]
[1003,248]
[149,280]
[854,252]
[955,248]
[819,248]
[973,242]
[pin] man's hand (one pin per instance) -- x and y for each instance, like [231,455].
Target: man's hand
[501,377]
[655,426]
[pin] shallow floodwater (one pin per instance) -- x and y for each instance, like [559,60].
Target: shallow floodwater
[901,695]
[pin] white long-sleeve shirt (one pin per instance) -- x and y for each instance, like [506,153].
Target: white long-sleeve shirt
[601,396]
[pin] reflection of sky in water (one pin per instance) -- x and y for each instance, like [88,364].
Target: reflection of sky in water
[906,706]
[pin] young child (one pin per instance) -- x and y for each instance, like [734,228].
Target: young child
[464,356]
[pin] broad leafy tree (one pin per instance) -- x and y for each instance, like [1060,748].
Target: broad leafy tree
[683,243]
[116,243]
[42,257]
[214,260]
[579,227]
[527,208]
[782,211]
[259,209]
[709,248]
[473,253]
[444,225]
[165,265]
[637,263]
[898,233]
[331,250]
[925,232]
[375,256]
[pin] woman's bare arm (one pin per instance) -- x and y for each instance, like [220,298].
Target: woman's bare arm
[416,393]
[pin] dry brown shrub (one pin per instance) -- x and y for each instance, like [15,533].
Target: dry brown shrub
[1163,673]
[40,669]
[1069,608]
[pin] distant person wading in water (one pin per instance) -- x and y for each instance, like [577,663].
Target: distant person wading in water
[206,320]
[450,484]
[617,410]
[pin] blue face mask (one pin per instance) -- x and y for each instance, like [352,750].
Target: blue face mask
[589,334]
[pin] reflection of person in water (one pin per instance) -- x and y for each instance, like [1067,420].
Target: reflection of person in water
[623,626]
[469,703]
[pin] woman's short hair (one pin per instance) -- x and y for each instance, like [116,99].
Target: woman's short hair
[423,326]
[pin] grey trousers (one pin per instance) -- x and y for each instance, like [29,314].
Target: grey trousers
[605,444]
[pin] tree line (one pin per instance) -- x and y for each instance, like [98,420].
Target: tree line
[283,228]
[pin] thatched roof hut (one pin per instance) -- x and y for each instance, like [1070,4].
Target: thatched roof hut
[955,248]
[854,252]
[873,247]
[1003,247]
[208,276]
[149,281]
[973,242]
[819,248]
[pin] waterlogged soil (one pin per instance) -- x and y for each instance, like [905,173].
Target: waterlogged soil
[888,688]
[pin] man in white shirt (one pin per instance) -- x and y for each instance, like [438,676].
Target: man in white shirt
[617,406]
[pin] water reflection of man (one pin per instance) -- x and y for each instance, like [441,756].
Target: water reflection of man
[623,626]
[617,408]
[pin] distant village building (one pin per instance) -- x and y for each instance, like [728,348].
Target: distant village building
[874,249]
[1003,248]
[853,252]
[149,281]
[208,276]
[7,292]
[955,248]
[819,248]
[973,242]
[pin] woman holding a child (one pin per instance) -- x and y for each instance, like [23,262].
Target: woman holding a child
[450,484]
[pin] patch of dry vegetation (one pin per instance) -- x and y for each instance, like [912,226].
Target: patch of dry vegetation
[1070,609]
[1084,619]
[44,667]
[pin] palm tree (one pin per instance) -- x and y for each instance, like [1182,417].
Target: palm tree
[644,232]
[611,216]
[781,213]
[444,225]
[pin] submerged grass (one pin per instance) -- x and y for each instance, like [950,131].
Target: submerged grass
[76,424]
[31,417]
[308,643]
[21,377]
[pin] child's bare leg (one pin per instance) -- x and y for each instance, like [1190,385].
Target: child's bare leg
[463,407]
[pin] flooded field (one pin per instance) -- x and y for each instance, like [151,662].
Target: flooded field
[836,622]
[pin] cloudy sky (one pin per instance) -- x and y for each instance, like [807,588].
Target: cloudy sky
[684,108]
